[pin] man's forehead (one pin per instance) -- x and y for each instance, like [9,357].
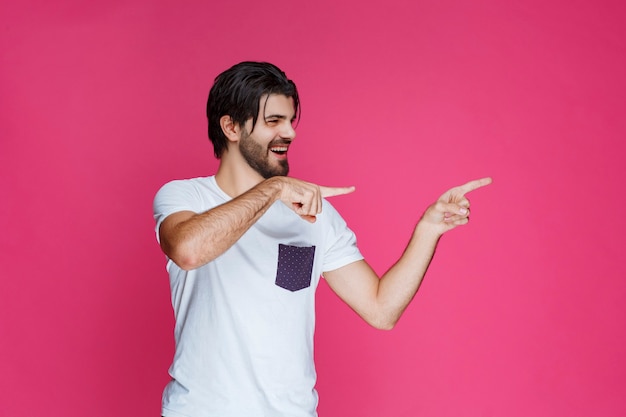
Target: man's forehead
[277,104]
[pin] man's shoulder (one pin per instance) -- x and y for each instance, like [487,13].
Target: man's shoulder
[191,182]
[204,190]
[328,209]
[188,184]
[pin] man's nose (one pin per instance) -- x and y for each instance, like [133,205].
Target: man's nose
[288,132]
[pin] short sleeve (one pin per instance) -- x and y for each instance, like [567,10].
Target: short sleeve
[341,245]
[175,196]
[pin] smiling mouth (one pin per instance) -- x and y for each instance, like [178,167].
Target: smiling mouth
[279,150]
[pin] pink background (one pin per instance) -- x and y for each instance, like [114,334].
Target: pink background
[523,311]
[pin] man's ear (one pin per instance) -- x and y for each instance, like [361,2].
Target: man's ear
[231,130]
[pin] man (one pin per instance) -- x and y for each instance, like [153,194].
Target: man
[246,248]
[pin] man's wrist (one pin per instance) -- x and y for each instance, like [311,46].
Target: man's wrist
[273,187]
[428,230]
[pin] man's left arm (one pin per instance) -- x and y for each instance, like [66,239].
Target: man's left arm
[381,301]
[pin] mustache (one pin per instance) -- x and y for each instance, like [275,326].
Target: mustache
[279,142]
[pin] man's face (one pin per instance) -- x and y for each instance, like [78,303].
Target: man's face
[265,148]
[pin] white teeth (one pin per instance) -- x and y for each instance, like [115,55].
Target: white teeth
[279,149]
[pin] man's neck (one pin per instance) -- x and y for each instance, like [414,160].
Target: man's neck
[235,179]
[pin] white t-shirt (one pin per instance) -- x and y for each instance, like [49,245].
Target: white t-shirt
[245,321]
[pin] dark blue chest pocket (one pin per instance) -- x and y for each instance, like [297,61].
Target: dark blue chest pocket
[295,266]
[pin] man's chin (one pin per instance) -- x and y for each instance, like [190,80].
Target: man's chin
[269,175]
[280,171]
[269,170]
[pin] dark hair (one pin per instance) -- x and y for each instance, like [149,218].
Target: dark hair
[237,93]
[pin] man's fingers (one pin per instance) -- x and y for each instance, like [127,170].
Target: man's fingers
[305,198]
[473,185]
[307,208]
[451,208]
[333,191]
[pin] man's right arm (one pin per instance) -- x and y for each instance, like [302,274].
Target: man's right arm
[194,239]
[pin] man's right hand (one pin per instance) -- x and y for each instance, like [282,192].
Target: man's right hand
[305,198]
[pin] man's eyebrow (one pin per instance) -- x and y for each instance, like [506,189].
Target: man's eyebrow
[276,116]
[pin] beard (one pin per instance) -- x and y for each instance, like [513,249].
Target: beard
[258,158]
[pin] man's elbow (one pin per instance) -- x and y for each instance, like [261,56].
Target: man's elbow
[185,263]
[183,257]
[382,323]
[384,326]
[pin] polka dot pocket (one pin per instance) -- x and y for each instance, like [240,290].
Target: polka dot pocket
[295,266]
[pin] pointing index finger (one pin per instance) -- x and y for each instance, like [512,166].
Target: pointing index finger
[473,185]
[333,191]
